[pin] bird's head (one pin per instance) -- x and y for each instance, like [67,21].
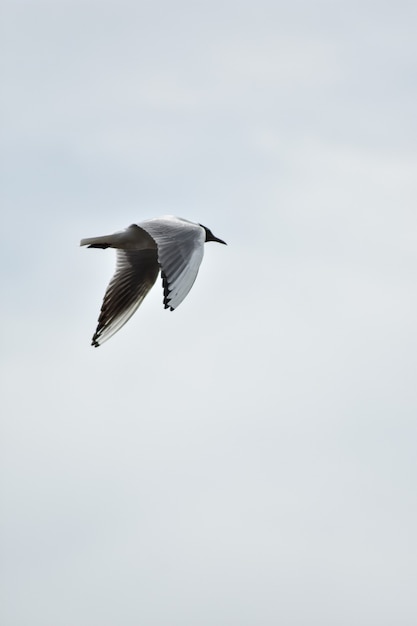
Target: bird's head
[211,237]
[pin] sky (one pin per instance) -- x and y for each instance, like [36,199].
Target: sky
[249,458]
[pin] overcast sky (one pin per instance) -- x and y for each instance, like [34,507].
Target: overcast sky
[249,459]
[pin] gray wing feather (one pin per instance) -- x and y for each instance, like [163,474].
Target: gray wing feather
[136,272]
[180,251]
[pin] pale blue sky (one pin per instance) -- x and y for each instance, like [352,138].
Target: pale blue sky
[249,458]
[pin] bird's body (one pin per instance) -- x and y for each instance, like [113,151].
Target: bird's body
[168,244]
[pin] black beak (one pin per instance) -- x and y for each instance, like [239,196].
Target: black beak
[211,237]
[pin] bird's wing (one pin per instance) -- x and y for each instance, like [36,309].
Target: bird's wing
[180,252]
[136,272]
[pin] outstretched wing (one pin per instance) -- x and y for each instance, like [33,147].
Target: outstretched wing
[136,272]
[180,252]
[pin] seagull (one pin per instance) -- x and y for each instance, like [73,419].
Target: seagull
[169,244]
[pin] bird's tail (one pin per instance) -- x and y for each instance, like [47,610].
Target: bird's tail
[132,238]
[108,241]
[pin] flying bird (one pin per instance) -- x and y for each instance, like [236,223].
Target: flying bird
[168,244]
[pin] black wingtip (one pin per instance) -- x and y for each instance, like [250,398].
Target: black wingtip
[166,291]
